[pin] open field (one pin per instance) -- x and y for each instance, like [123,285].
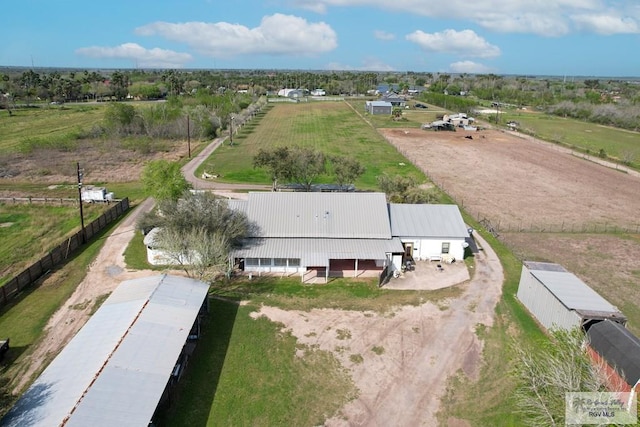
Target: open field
[519,185]
[51,123]
[330,127]
[617,143]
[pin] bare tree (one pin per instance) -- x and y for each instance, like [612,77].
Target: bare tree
[547,372]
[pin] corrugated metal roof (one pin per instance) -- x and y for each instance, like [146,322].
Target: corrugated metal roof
[129,347]
[321,215]
[573,292]
[427,220]
[317,252]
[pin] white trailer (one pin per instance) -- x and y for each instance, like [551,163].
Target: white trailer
[93,194]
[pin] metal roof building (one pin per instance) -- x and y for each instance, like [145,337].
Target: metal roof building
[115,370]
[559,299]
[616,345]
[427,220]
[320,215]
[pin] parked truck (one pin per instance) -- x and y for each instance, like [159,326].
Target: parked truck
[93,194]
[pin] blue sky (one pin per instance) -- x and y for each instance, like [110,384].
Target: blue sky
[526,37]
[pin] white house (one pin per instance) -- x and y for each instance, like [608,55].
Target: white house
[430,232]
[351,234]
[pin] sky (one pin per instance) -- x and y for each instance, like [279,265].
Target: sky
[522,37]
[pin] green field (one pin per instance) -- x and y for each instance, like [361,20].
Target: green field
[330,127]
[619,144]
[52,127]
[28,232]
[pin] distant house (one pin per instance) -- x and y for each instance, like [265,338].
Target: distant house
[379,108]
[395,100]
[559,299]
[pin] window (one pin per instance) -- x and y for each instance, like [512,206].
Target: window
[280,262]
[251,262]
[265,262]
[445,247]
[294,262]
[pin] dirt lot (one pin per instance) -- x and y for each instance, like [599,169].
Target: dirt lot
[517,183]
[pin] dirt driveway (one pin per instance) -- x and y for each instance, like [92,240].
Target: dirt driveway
[406,356]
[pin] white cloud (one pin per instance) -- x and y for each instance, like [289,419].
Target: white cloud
[277,35]
[469,67]
[548,18]
[151,58]
[465,42]
[606,24]
[383,35]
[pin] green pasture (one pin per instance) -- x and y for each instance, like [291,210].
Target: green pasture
[619,144]
[331,127]
[28,232]
[50,126]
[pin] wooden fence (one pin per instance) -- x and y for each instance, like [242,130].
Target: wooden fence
[60,253]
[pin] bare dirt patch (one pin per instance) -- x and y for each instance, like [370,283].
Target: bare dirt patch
[401,360]
[520,184]
[102,161]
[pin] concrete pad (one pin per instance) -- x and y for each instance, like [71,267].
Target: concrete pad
[427,276]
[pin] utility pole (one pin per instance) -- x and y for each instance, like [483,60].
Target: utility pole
[84,234]
[188,136]
[231,131]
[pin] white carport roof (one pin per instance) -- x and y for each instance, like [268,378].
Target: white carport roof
[114,371]
[318,252]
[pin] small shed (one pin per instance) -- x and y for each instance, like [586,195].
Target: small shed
[379,107]
[559,299]
[612,343]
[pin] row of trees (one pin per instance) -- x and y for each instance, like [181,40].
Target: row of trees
[305,166]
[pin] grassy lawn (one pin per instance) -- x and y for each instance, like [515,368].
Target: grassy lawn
[28,232]
[47,125]
[331,127]
[586,137]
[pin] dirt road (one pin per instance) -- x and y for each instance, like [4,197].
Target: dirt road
[407,356]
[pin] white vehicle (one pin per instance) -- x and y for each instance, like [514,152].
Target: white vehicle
[93,194]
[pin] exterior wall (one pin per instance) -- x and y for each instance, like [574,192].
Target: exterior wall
[614,381]
[380,110]
[423,249]
[544,306]
[158,257]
